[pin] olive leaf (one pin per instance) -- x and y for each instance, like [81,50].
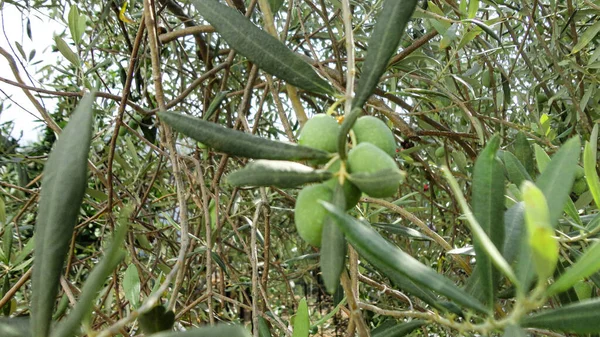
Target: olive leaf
[488,209]
[261,48]
[388,258]
[63,187]
[278,173]
[238,143]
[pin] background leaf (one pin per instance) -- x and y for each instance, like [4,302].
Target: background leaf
[156,320]
[581,317]
[301,322]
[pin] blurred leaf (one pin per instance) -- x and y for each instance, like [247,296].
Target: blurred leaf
[275,5]
[156,320]
[283,174]
[15,327]
[488,209]
[589,166]
[544,246]
[131,286]
[385,256]
[398,330]
[580,318]
[514,169]
[66,51]
[95,281]
[63,187]
[220,330]
[586,265]
[473,8]
[214,104]
[486,29]
[402,230]
[333,254]
[263,328]
[560,169]
[524,153]
[587,37]
[514,331]
[301,323]
[541,157]
[261,48]
[238,143]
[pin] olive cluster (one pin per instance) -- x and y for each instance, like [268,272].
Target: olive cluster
[373,151]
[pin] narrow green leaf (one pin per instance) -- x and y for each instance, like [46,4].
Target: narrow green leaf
[544,247]
[514,169]
[131,286]
[275,5]
[261,48]
[96,280]
[586,265]
[580,318]
[301,322]
[488,209]
[514,229]
[66,51]
[15,327]
[383,43]
[514,331]
[238,143]
[219,330]
[333,254]
[486,29]
[560,169]
[589,166]
[156,320]
[276,173]
[63,187]
[73,21]
[398,330]
[473,8]
[524,153]
[214,104]
[263,328]
[385,256]
[542,159]
[586,37]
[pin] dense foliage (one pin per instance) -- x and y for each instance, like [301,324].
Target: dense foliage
[186,215]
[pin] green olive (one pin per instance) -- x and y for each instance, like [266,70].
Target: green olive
[369,129]
[309,215]
[320,132]
[367,158]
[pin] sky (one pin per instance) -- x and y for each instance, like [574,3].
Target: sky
[12,30]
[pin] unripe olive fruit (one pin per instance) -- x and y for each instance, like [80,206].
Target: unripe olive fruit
[367,158]
[440,152]
[320,132]
[580,186]
[369,129]
[309,215]
[579,172]
[351,192]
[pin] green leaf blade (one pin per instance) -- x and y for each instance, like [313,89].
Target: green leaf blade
[282,174]
[580,318]
[261,48]
[385,256]
[333,254]
[586,265]
[488,209]
[382,44]
[238,143]
[301,322]
[63,188]
[561,168]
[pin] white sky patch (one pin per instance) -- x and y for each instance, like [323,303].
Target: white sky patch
[13,29]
